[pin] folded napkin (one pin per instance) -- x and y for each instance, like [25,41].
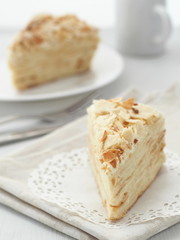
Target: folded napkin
[16,169]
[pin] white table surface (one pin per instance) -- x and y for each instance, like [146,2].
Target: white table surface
[146,74]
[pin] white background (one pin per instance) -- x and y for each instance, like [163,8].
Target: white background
[16,13]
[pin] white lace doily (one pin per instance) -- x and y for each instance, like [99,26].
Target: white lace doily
[66,180]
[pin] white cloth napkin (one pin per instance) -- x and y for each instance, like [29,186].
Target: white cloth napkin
[15,169]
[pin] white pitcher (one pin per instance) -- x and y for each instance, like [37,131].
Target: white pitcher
[142,26]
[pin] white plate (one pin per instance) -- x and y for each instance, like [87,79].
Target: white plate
[107,65]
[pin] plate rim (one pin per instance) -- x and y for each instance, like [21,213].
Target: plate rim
[71,93]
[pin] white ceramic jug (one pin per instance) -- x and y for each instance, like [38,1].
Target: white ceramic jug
[142,26]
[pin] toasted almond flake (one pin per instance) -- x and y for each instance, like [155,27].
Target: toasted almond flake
[113,163]
[125,124]
[104,137]
[112,154]
[128,103]
[136,111]
[109,155]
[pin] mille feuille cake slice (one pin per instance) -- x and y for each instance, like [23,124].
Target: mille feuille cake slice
[126,142]
[50,48]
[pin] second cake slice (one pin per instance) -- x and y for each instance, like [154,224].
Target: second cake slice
[50,48]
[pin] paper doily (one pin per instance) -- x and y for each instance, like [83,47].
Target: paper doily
[66,180]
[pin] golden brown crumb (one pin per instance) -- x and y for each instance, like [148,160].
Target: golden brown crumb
[125,124]
[136,111]
[113,163]
[128,103]
[112,154]
[43,28]
[103,139]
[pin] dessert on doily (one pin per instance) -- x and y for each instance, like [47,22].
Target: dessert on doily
[126,142]
[50,48]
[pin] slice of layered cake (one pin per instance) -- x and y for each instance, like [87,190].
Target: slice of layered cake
[126,142]
[50,48]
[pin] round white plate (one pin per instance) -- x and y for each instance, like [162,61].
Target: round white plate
[107,65]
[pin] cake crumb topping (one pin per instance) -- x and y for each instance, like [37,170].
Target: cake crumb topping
[113,163]
[103,139]
[128,103]
[136,111]
[44,29]
[119,130]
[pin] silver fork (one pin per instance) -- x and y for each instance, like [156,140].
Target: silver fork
[54,117]
[54,121]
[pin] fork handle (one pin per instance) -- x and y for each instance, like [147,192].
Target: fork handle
[35,132]
[9,118]
[18,136]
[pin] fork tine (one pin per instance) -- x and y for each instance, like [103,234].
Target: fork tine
[48,117]
[83,102]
